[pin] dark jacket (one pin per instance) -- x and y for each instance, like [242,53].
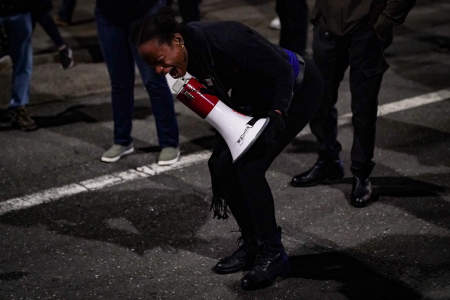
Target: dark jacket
[14,7]
[237,58]
[342,16]
[123,12]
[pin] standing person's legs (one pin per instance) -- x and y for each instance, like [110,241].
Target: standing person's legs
[65,53]
[19,31]
[330,56]
[189,10]
[120,63]
[162,103]
[66,10]
[367,65]
[41,14]
[294,24]
[50,28]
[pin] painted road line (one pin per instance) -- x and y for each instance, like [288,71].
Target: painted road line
[393,107]
[145,171]
[98,183]
[404,104]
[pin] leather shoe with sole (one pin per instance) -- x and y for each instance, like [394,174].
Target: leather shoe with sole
[323,171]
[241,259]
[362,193]
[269,264]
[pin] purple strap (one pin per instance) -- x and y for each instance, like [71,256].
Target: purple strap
[294,62]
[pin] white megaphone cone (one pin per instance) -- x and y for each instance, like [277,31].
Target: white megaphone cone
[239,131]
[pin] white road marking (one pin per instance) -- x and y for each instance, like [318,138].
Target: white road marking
[145,171]
[98,183]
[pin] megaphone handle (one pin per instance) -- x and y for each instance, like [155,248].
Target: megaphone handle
[253,121]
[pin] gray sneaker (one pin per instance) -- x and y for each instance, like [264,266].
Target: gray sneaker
[168,156]
[114,153]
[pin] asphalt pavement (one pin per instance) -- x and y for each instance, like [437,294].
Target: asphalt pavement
[72,227]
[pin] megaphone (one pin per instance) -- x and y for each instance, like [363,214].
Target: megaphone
[238,130]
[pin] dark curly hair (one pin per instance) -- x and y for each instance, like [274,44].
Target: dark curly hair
[162,26]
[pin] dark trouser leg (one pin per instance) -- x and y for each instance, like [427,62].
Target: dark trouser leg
[294,24]
[66,10]
[306,102]
[271,259]
[51,29]
[251,168]
[330,55]
[120,63]
[189,10]
[367,65]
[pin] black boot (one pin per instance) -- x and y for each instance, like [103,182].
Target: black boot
[361,192]
[241,259]
[271,261]
[323,171]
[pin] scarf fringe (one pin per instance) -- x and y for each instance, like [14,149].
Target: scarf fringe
[219,208]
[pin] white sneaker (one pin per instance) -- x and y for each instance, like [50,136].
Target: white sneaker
[114,153]
[275,24]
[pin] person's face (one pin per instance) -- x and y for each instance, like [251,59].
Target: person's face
[166,58]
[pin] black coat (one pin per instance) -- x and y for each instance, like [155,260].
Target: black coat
[342,16]
[236,58]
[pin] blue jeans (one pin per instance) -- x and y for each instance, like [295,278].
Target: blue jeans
[120,57]
[18,29]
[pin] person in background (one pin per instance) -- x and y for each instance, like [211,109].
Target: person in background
[293,16]
[189,10]
[264,80]
[114,19]
[65,12]
[355,34]
[16,19]
[40,13]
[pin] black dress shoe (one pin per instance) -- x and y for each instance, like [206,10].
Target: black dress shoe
[269,264]
[241,259]
[323,171]
[361,192]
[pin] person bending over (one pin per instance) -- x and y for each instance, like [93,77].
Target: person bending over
[264,80]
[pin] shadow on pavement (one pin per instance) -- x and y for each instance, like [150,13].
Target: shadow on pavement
[358,280]
[401,186]
[137,220]
[427,144]
[71,115]
[11,276]
[86,114]
[420,198]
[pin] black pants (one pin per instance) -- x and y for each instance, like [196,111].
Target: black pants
[243,184]
[189,10]
[364,53]
[41,14]
[294,24]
